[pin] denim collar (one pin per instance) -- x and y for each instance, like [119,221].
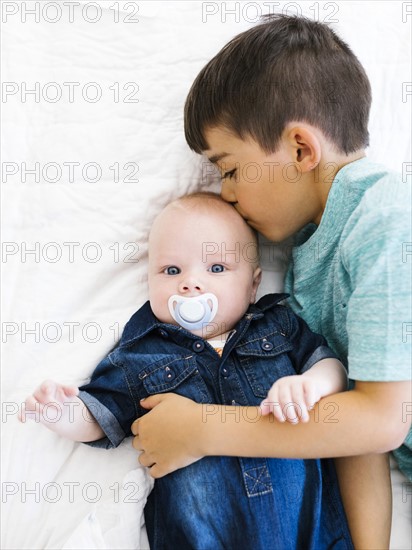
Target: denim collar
[144,321]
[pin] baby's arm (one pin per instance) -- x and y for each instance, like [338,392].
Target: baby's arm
[292,397]
[59,409]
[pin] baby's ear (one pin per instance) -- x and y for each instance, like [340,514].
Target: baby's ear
[257,277]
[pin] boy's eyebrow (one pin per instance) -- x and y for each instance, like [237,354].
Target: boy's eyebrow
[213,159]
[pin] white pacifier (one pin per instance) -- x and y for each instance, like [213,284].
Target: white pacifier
[192,313]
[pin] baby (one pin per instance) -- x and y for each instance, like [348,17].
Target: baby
[201,335]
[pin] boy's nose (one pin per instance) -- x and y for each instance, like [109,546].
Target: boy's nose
[189,285]
[227,192]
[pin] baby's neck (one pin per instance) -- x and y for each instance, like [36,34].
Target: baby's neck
[219,337]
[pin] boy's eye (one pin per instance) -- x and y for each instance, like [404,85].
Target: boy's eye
[229,174]
[172,270]
[217,268]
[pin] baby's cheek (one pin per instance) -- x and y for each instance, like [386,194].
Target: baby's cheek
[160,309]
[226,318]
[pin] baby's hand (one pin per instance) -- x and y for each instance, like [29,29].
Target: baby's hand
[290,398]
[47,403]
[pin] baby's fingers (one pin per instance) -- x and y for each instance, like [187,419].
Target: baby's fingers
[70,391]
[271,404]
[311,395]
[293,405]
[268,406]
[52,392]
[30,409]
[46,392]
[298,409]
[282,403]
[265,407]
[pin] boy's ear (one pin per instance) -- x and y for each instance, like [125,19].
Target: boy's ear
[306,146]
[257,277]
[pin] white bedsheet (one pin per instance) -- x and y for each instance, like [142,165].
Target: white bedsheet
[87,273]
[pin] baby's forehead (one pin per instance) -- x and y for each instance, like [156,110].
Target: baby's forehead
[201,216]
[213,234]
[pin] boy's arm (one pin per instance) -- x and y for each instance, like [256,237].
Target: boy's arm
[364,481]
[365,486]
[59,409]
[371,418]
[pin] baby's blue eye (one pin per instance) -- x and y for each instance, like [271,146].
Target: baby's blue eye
[172,270]
[217,268]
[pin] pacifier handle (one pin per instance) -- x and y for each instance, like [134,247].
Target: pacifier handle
[192,312]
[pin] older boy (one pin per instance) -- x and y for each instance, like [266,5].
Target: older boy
[283,111]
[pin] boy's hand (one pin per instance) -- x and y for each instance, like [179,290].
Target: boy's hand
[49,396]
[291,398]
[169,433]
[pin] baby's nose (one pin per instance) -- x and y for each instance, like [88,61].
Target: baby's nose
[190,284]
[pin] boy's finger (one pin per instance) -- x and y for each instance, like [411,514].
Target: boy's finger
[154,400]
[135,428]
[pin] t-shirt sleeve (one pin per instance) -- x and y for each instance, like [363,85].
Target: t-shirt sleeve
[308,347]
[108,396]
[377,255]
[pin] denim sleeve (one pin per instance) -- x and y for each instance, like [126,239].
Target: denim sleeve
[109,398]
[308,347]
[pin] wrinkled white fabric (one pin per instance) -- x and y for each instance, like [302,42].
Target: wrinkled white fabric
[120,163]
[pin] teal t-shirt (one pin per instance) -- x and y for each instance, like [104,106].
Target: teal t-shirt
[350,278]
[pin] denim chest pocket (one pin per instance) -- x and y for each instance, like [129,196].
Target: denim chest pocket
[265,360]
[176,374]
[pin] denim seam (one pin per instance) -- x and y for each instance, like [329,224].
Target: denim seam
[260,337]
[260,470]
[147,372]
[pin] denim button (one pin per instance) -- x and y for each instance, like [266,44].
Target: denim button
[163,333]
[267,346]
[169,374]
[225,372]
[198,346]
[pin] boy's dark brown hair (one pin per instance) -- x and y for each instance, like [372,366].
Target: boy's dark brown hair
[284,69]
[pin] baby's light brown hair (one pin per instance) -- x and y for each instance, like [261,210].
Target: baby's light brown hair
[207,201]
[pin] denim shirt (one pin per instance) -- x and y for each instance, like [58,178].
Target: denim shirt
[222,502]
